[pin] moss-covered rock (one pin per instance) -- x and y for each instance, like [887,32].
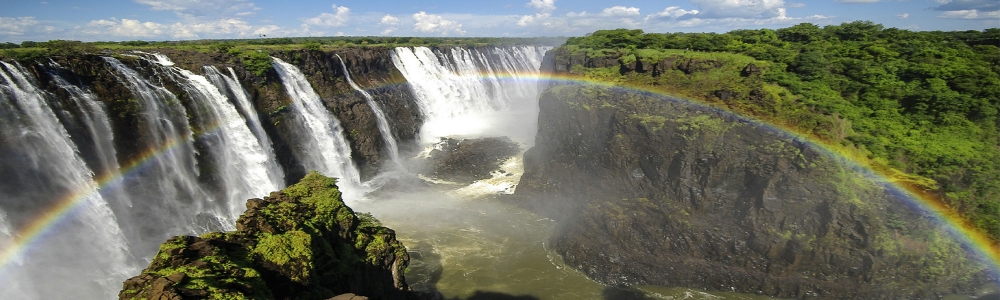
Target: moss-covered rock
[300,243]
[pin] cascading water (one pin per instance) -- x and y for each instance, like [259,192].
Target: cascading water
[383,124]
[474,93]
[43,173]
[233,87]
[244,168]
[324,147]
[167,178]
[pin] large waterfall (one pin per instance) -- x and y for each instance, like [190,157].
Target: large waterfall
[91,185]
[473,92]
[243,166]
[42,168]
[324,148]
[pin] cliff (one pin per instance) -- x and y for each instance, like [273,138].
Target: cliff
[650,190]
[370,67]
[300,243]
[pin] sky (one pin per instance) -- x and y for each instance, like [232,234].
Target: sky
[154,20]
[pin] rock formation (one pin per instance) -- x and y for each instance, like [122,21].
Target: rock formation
[300,243]
[468,160]
[655,191]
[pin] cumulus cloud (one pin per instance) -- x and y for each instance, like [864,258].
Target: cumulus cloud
[620,11]
[126,28]
[969,9]
[673,12]
[533,19]
[543,6]
[959,5]
[747,9]
[202,7]
[339,18]
[970,14]
[16,25]
[436,24]
[390,20]
[130,28]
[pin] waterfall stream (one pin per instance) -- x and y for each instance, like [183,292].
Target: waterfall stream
[383,124]
[324,147]
[245,170]
[474,93]
[40,163]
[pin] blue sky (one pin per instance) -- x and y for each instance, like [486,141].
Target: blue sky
[117,20]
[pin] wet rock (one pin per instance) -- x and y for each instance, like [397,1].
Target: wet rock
[468,160]
[652,191]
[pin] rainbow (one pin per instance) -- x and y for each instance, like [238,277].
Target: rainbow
[975,241]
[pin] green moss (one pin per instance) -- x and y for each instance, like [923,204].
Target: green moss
[290,250]
[654,123]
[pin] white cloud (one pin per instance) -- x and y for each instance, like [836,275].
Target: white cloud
[903,15]
[390,20]
[543,6]
[223,28]
[620,11]
[434,23]
[673,12]
[202,7]
[796,5]
[533,19]
[16,25]
[856,1]
[970,14]
[389,30]
[748,9]
[342,15]
[128,28]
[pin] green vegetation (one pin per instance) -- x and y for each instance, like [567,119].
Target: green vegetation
[304,234]
[921,107]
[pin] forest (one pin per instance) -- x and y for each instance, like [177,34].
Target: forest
[919,105]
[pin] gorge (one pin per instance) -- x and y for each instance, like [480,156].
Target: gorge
[106,156]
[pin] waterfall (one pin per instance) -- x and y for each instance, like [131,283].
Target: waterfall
[472,92]
[43,171]
[323,145]
[166,175]
[383,124]
[243,167]
[232,85]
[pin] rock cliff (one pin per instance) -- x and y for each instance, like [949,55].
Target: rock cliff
[656,191]
[371,68]
[300,243]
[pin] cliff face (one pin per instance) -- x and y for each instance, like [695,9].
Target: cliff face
[371,68]
[299,243]
[655,191]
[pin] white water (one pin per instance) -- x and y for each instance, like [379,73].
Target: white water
[48,164]
[383,124]
[468,93]
[323,145]
[245,168]
[242,101]
[167,180]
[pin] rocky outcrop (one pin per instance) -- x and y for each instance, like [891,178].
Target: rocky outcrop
[468,160]
[654,191]
[300,243]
